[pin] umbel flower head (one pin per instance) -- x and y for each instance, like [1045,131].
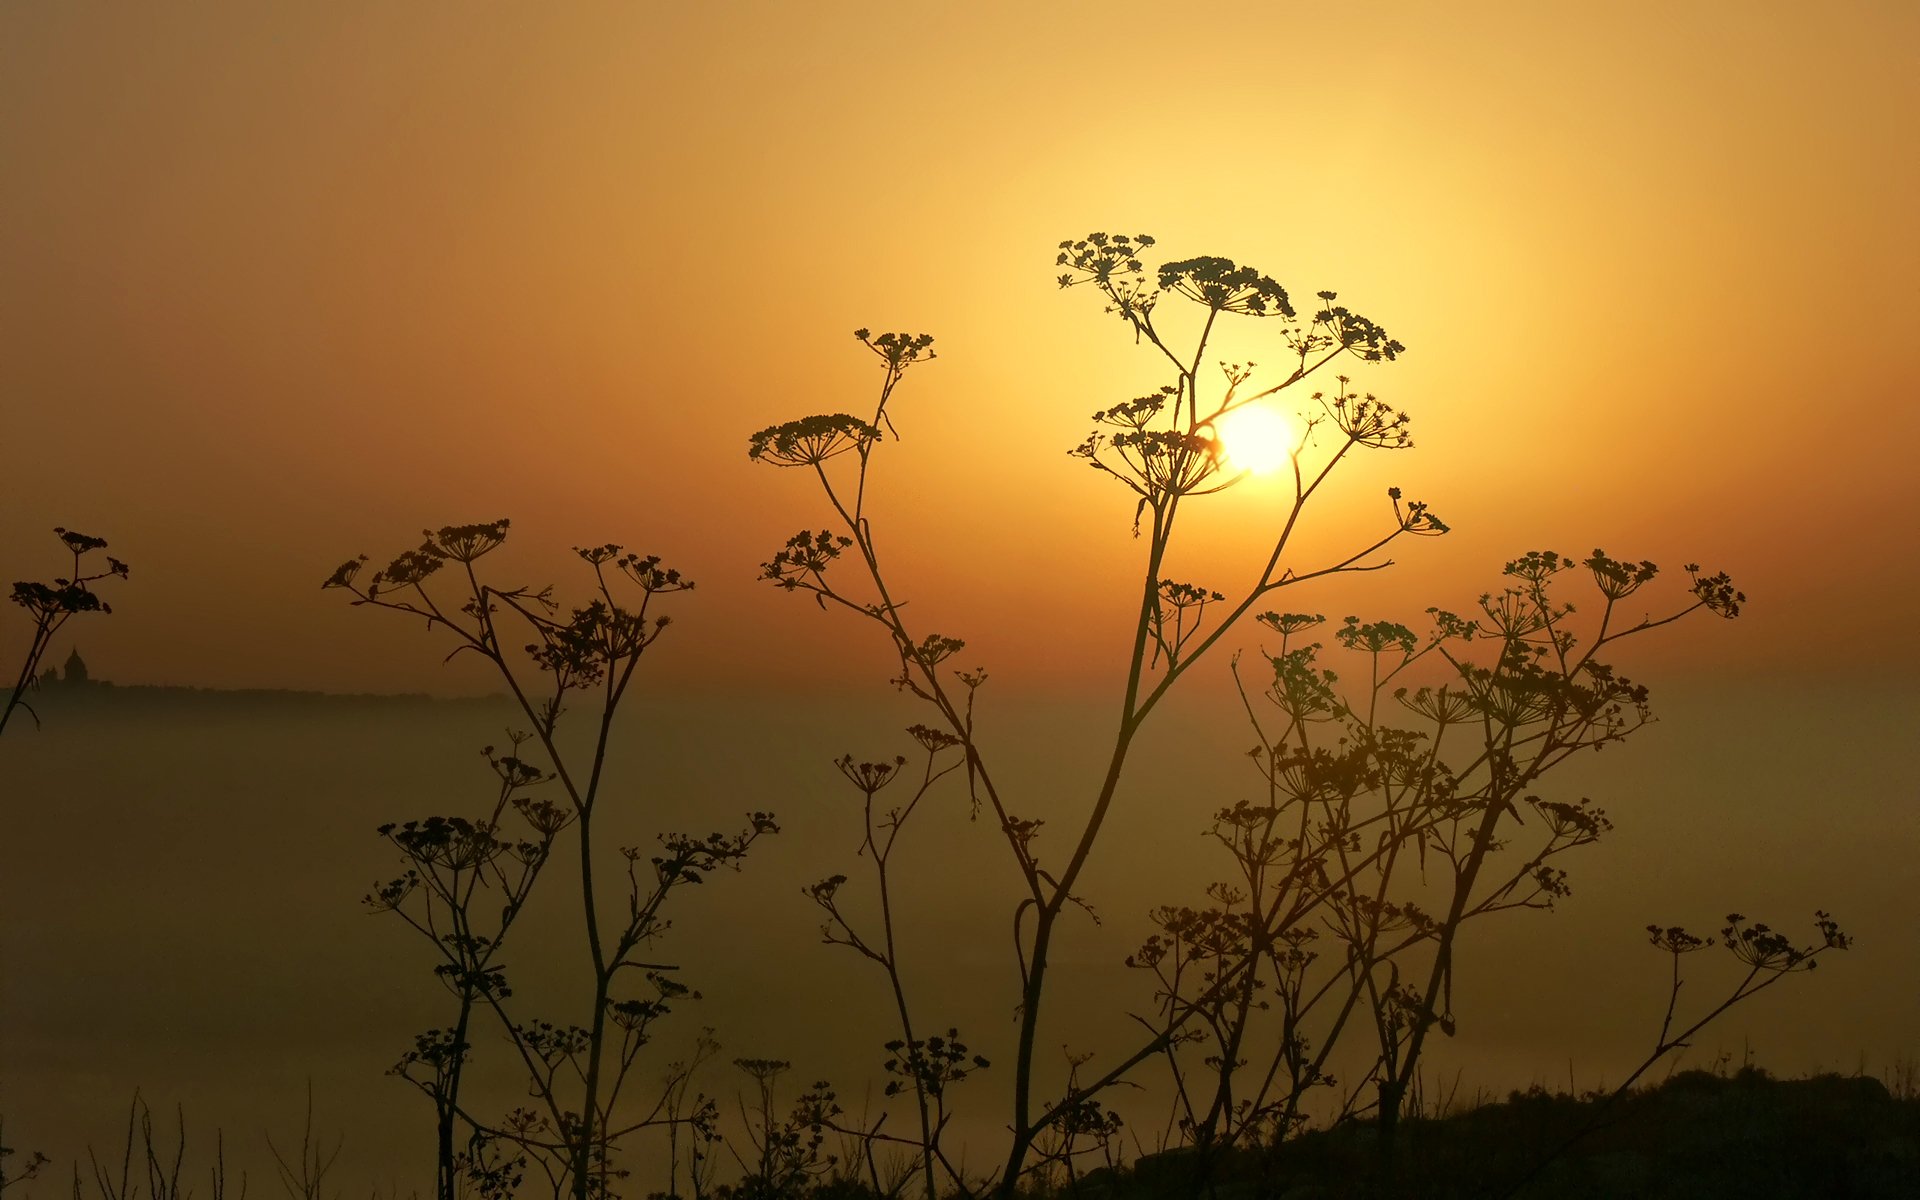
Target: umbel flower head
[805,554]
[810,441]
[898,350]
[869,777]
[1618,579]
[1223,286]
[64,597]
[464,543]
[1160,461]
[1716,591]
[1099,257]
[1287,624]
[46,602]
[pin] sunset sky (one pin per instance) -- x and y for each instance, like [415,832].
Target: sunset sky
[283,283]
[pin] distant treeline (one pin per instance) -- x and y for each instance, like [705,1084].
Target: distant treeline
[101,693]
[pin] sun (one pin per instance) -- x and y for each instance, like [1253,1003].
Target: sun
[1258,439]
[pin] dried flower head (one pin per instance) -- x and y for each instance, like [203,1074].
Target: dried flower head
[810,441]
[1225,287]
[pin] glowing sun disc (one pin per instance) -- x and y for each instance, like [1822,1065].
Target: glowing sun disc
[1258,438]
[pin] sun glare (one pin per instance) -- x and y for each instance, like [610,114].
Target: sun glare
[1259,439]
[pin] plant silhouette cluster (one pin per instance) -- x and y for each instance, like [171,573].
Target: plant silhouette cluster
[52,605]
[1394,811]
[1406,789]
[466,881]
[1322,922]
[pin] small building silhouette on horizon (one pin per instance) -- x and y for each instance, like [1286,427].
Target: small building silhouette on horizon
[74,673]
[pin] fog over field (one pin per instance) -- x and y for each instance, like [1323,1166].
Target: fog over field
[183,876]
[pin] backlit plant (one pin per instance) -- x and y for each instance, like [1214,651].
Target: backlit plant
[460,872]
[1165,450]
[51,605]
[1394,813]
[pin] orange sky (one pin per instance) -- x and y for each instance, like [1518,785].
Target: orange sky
[279,284]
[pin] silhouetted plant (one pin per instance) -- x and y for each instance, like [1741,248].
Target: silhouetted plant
[305,1177]
[788,1152]
[1087,1128]
[152,1164]
[925,1067]
[146,1161]
[1768,956]
[1323,928]
[1902,1077]
[1164,449]
[52,605]
[19,1172]
[1321,920]
[453,863]
[694,1117]
[576,1072]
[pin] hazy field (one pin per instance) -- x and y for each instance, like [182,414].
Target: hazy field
[181,885]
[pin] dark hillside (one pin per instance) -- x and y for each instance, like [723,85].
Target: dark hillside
[1697,1136]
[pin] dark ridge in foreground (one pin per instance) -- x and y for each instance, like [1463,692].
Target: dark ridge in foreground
[1698,1136]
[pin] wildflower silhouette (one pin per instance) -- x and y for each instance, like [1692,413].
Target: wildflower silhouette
[1768,956]
[52,605]
[457,869]
[13,1174]
[787,1153]
[926,1067]
[1164,450]
[1377,840]
[1322,931]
